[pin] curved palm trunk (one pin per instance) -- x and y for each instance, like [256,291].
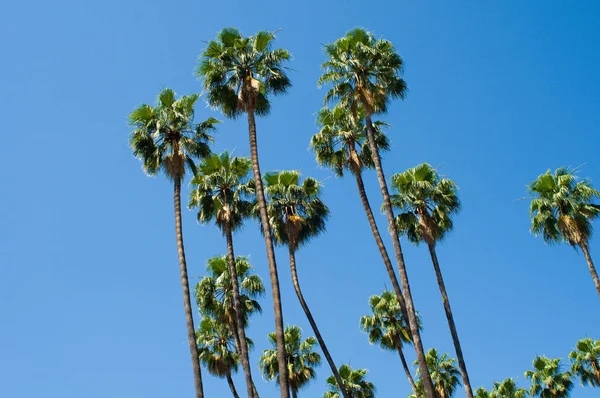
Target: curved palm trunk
[187,305]
[231,385]
[412,318]
[241,331]
[313,324]
[407,370]
[284,387]
[586,252]
[461,361]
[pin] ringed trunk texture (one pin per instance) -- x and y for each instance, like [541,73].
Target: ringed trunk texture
[241,328]
[412,318]
[407,370]
[461,361]
[187,305]
[313,324]
[284,387]
[586,252]
[231,385]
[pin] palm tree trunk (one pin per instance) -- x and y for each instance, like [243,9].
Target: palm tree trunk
[294,394]
[241,329]
[461,361]
[236,338]
[187,305]
[313,324]
[407,370]
[412,318]
[231,385]
[264,218]
[586,252]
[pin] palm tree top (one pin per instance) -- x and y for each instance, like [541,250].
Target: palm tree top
[547,378]
[240,72]
[165,136]
[444,373]
[364,71]
[585,361]
[217,347]
[354,382]
[386,326]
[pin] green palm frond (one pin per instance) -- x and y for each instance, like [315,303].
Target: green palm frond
[216,347]
[354,383]
[547,379]
[585,361]
[444,373]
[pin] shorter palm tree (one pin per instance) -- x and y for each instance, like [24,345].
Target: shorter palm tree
[354,383]
[482,393]
[444,375]
[507,388]
[562,209]
[302,359]
[585,361]
[547,380]
[388,328]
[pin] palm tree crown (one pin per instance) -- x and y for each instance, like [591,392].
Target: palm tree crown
[426,203]
[444,374]
[165,136]
[217,347]
[239,72]
[386,326]
[547,380]
[354,382]
[586,361]
[507,389]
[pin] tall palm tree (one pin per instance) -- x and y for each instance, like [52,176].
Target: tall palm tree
[220,193]
[365,74]
[426,204]
[353,381]
[239,73]
[297,214]
[387,327]
[547,380]
[165,138]
[562,210]
[444,375]
[585,361]
[301,360]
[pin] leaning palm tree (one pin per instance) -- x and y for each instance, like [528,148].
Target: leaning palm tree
[444,375]
[426,204]
[165,138]
[365,74]
[354,383]
[387,327]
[507,388]
[562,209]
[547,380]
[301,360]
[585,361]
[239,73]
[297,214]
[220,193]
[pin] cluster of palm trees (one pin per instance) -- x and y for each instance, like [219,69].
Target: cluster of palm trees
[362,74]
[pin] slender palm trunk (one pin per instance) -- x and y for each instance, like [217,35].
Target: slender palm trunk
[412,318]
[236,338]
[187,305]
[231,385]
[407,370]
[313,324]
[461,361]
[294,394]
[586,252]
[262,204]
[241,328]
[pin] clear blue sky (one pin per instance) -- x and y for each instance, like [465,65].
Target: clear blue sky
[89,285]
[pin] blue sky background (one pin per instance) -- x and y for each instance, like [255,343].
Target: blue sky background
[89,285]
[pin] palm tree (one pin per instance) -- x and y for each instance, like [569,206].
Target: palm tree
[426,204]
[301,359]
[444,375]
[220,193]
[297,214]
[547,380]
[387,327]
[562,210]
[239,73]
[165,138]
[482,393]
[507,388]
[365,74]
[354,383]
[586,361]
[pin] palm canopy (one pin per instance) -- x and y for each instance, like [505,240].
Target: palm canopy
[341,141]
[364,72]
[386,326]
[547,380]
[214,293]
[222,190]
[296,213]
[302,359]
[165,136]
[585,361]
[354,382]
[563,207]
[426,203]
[240,72]
[444,374]
[507,388]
